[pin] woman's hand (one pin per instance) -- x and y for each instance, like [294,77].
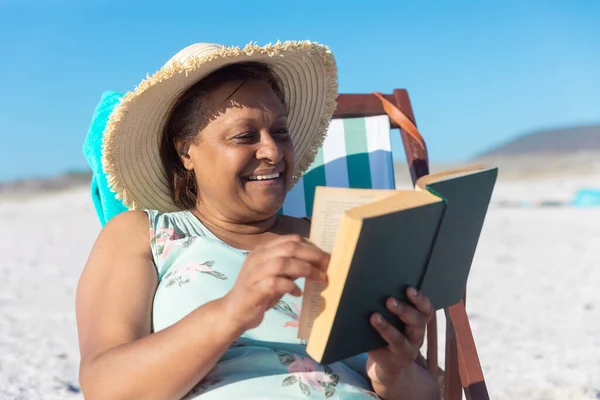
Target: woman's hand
[392,370]
[268,273]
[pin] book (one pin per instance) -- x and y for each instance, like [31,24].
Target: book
[383,241]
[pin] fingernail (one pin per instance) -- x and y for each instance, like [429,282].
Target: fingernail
[379,320]
[323,277]
[412,291]
[395,303]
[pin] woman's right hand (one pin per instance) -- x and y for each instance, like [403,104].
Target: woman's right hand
[268,273]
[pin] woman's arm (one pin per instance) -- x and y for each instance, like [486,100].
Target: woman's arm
[119,357]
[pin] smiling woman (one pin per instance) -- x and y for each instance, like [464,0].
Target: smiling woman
[195,290]
[238,108]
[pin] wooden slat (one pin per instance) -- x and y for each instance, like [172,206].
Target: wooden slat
[403,103]
[352,105]
[471,374]
[418,165]
[452,382]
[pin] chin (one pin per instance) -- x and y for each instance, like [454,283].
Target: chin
[264,211]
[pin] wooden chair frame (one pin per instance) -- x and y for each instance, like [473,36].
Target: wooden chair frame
[462,368]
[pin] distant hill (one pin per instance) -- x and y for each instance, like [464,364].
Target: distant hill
[547,153]
[555,141]
[45,185]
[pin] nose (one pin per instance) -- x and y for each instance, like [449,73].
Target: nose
[269,150]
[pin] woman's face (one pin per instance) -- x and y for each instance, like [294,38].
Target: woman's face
[243,159]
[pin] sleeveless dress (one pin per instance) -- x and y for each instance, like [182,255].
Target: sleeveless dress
[269,362]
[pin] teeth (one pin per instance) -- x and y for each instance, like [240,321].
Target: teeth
[263,177]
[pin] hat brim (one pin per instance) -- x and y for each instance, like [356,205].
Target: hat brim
[131,143]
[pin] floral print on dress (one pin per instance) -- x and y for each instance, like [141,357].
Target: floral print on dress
[189,272]
[203,386]
[305,373]
[294,314]
[163,239]
[183,244]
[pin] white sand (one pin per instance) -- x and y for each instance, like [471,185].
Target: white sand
[534,303]
[533,296]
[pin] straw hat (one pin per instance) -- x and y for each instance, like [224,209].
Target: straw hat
[131,142]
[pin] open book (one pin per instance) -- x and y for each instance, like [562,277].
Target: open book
[381,242]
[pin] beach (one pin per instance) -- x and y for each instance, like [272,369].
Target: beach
[532,298]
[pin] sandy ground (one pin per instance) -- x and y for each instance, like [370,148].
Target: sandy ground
[533,296]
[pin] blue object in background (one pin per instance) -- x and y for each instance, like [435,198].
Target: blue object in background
[586,197]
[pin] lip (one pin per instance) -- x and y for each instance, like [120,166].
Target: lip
[266,182]
[265,172]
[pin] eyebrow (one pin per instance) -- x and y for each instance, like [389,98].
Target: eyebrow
[248,120]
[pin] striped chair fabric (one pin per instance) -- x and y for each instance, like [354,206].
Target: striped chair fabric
[356,153]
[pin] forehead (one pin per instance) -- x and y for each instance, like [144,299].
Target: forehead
[252,94]
[236,104]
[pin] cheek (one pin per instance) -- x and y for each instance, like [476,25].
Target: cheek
[288,157]
[222,168]
[287,149]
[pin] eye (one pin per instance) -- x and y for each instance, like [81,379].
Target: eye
[282,133]
[246,136]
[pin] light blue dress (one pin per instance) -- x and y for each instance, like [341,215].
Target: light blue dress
[268,362]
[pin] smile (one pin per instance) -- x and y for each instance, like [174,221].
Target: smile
[264,177]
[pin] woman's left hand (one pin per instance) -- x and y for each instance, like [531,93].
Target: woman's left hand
[386,366]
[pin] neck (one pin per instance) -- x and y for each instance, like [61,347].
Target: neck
[232,228]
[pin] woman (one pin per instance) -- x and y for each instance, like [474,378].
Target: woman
[203,153]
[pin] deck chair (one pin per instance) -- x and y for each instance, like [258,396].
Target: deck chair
[356,153]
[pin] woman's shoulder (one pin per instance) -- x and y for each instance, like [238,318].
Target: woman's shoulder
[152,221]
[126,230]
[130,221]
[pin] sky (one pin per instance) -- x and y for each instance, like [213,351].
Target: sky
[479,73]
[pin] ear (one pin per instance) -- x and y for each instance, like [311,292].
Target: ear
[183,150]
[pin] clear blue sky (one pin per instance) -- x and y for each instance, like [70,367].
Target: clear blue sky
[478,72]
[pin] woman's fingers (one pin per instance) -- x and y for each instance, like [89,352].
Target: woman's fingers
[294,246]
[276,285]
[292,268]
[398,344]
[406,313]
[421,302]
[415,318]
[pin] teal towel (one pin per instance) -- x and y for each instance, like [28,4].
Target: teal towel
[107,206]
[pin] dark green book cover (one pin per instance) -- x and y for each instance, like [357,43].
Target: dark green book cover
[429,247]
[467,200]
[390,255]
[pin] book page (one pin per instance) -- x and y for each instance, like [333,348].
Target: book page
[330,204]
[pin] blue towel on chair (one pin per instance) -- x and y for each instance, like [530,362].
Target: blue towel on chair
[107,206]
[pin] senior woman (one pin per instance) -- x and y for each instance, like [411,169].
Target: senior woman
[194,292]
